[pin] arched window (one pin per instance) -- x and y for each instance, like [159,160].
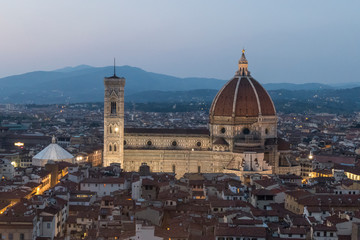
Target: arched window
[110,129]
[246,131]
[113,108]
[115,148]
[173,168]
[110,148]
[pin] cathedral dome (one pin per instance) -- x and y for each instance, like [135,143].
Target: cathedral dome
[242,96]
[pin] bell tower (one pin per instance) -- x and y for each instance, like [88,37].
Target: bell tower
[114,120]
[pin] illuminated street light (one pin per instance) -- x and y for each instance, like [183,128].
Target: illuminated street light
[19,144]
[311,155]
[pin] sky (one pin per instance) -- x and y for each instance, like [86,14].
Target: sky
[285,41]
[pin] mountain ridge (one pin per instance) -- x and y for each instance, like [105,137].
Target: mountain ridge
[84,83]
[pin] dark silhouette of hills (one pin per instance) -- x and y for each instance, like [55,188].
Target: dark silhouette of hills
[85,84]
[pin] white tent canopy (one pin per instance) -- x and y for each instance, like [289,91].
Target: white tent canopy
[52,152]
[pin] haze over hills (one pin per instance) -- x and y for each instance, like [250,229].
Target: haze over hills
[85,84]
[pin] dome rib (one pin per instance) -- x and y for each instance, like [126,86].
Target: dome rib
[242,96]
[267,105]
[235,97]
[256,95]
[226,97]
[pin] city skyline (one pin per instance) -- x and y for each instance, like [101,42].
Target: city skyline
[284,41]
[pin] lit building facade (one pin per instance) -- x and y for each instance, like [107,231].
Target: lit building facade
[242,133]
[114,120]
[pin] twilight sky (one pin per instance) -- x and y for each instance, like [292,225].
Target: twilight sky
[285,41]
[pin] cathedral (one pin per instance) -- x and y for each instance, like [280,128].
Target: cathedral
[241,135]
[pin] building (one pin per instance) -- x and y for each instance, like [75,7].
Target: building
[7,170]
[241,137]
[114,120]
[53,152]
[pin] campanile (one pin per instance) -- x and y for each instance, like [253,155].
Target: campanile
[114,120]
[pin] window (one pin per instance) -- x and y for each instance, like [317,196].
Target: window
[174,143]
[110,129]
[198,144]
[173,168]
[113,107]
[223,130]
[149,143]
[115,148]
[199,169]
[22,236]
[11,236]
[110,148]
[246,131]
[124,142]
[48,225]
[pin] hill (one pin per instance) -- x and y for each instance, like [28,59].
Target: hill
[85,84]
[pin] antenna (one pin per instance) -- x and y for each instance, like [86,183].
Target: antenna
[114,68]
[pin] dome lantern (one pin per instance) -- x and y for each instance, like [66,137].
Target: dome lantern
[243,65]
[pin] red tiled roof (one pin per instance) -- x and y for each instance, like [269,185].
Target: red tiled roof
[221,141]
[335,159]
[293,230]
[242,97]
[321,227]
[258,192]
[110,180]
[298,193]
[257,232]
[283,145]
